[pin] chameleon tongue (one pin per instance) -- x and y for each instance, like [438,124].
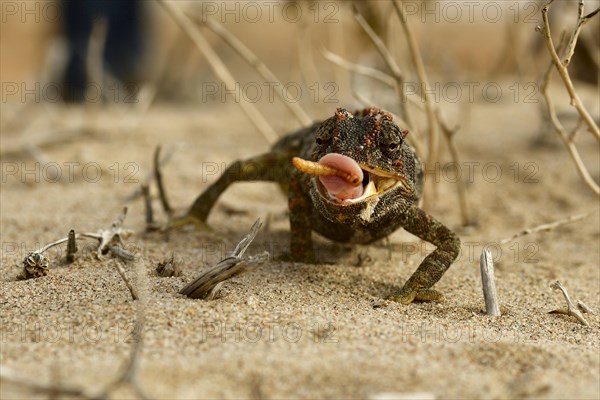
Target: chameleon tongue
[337,186]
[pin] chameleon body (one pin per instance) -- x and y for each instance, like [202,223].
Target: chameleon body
[367,143]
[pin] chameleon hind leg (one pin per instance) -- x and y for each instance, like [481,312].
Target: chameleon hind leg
[269,167]
[433,267]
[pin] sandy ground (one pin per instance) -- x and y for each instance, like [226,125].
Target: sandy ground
[289,330]
[294,330]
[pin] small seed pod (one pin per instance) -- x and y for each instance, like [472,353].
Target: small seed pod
[314,168]
[35,265]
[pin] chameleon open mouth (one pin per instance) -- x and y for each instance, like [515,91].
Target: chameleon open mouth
[342,180]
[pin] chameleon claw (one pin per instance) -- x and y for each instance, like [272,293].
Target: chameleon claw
[407,296]
[429,295]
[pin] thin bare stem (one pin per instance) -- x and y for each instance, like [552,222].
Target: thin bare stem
[210,281]
[417,60]
[369,72]
[572,309]
[548,226]
[71,246]
[123,275]
[400,85]
[486,266]
[564,136]
[219,68]
[161,188]
[256,63]
[564,73]
[359,69]
[461,185]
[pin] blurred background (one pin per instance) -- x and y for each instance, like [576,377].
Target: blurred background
[48,42]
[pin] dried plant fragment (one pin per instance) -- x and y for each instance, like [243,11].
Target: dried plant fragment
[207,285]
[35,265]
[112,239]
[71,246]
[168,268]
[572,309]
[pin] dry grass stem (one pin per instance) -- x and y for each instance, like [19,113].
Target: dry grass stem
[236,44]
[111,237]
[359,69]
[123,275]
[159,182]
[547,227]
[486,266]
[561,66]
[71,246]
[461,185]
[417,60]
[166,157]
[391,64]
[207,285]
[219,68]
[572,309]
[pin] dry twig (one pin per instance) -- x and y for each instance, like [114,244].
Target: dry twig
[209,282]
[561,66]
[161,189]
[417,60]
[111,239]
[256,63]
[572,309]
[547,227]
[461,185]
[219,68]
[71,246]
[150,176]
[486,266]
[123,275]
[395,70]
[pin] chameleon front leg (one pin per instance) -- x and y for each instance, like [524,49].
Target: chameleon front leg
[270,167]
[300,206]
[431,269]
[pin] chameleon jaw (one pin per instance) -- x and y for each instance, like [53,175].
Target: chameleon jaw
[341,180]
[378,183]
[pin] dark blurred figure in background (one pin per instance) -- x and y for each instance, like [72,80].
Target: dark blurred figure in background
[123,46]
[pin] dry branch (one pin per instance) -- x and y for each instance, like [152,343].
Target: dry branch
[123,275]
[168,154]
[209,282]
[359,69]
[71,246]
[417,60]
[219,68]
[547,227]
[397,74]
[258,65]
[486,266]
[461,185]
[572,309]
[161,189]
[561,66]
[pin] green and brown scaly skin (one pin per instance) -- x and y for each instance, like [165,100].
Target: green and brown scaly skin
[376,143]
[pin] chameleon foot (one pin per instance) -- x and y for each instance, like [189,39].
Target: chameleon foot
[407,296]
[429,295]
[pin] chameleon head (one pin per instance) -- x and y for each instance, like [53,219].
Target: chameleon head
[367,145]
